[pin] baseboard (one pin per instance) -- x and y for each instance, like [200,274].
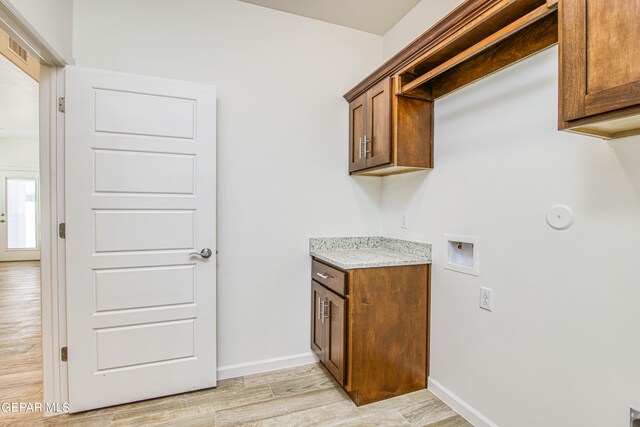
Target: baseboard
[266,365]
[459,405]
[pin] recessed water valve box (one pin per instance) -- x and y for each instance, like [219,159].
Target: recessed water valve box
[462,253]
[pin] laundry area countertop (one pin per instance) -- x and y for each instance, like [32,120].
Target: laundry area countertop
[367,252]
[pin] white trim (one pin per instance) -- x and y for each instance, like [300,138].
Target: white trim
[52,248]
[18,169]
[460,406]
[266,365]
[12,21]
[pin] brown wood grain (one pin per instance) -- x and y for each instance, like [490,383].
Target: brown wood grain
[413,132]
[613,31]
[335,324]
[378,146]
[357,123]
[388,332]
[336,279]
[492,21]
[482,45]
[317,328]
[532,39]
[599,70]
[453,22]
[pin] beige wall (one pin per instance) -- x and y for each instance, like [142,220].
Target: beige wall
[282,135]
[19,154]
[562,347]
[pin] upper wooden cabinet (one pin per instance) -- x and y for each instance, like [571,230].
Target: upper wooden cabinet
[391,111]
[599,67]
[389,134]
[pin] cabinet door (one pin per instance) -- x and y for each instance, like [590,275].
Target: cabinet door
[378,135]
[317,320]
[335,344]
[357,118]
[599,51]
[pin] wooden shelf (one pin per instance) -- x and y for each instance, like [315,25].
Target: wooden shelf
[477,48]
[500,31]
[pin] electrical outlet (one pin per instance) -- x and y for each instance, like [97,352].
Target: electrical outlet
[486,298]
[405,220]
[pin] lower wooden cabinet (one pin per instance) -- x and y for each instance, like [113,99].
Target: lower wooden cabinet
[372,333]
[328,330]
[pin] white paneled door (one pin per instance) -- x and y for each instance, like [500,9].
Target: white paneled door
[140,161]
[19,216]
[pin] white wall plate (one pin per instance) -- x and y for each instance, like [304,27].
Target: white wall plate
[560,217]
[462,253]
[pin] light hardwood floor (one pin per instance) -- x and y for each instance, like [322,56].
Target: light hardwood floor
[302,396]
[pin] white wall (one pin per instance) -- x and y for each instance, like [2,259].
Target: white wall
[19,154]
[282,137]
[424,15]
[562,347]
[52,20]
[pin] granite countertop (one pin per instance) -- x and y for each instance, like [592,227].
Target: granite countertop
[366,252]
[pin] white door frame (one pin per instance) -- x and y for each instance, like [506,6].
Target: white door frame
[52,259]
[52,250]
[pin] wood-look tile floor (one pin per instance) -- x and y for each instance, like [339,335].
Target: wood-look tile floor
[302,396]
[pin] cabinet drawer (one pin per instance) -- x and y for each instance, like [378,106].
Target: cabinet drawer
[330,277]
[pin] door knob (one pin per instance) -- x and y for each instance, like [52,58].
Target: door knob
[205,253]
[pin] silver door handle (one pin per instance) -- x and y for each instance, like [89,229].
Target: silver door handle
[324,276]
[322,311]
[366,143]
[360,146]
[205,253]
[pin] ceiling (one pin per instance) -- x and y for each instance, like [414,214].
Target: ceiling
[372,16]
[18,103]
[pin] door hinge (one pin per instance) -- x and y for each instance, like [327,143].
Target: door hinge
[61,104]
[64,356]
[62,230]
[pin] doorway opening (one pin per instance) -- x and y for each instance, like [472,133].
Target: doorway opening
[20,230]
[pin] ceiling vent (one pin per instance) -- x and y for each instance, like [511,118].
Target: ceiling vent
[15,47]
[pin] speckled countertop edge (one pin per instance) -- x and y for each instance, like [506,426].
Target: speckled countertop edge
[367,252]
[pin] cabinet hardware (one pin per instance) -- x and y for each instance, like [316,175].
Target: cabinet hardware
[324,276]
[319,311]
[322,311]
[327,308]
[360,147]
[366,142]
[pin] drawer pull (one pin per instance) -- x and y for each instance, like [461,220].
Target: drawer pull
[324,276]
[322,311]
